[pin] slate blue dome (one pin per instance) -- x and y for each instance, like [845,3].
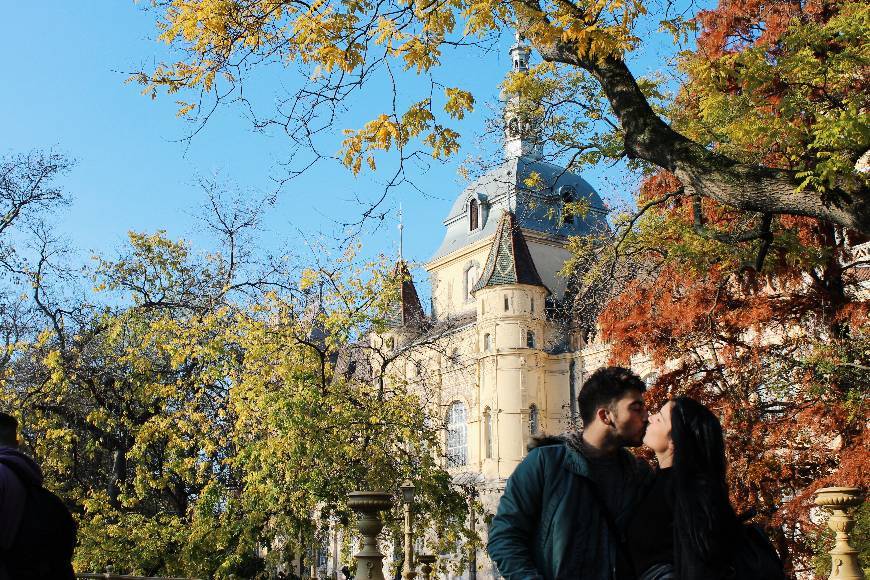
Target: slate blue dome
[503,189]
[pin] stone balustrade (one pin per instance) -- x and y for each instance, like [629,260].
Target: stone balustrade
[840,501]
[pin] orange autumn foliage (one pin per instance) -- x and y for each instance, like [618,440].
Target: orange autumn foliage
[781,355]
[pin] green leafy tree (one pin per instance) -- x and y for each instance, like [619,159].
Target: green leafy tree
[190,427]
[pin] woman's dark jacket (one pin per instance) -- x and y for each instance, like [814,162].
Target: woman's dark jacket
[548,507]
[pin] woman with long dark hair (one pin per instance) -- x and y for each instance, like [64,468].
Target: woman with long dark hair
[685,528]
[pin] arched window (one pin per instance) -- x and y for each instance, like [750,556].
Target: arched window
[487,433]
[471,276]
[457,434]
[533,419]
[532,304]
[487,342]
[530,339]
[473,215]
[568,196]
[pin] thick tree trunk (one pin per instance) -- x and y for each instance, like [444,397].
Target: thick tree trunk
[119,476]
[742,186]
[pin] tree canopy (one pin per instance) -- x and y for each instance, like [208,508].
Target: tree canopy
[762,317]
[342,44]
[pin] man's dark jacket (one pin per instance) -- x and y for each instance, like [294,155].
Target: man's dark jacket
[549,509]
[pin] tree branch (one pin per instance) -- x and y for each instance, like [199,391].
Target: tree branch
[702,171]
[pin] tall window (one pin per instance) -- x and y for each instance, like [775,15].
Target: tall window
[471,276]
[506,303]
[487,342]
[457,434]
[473,217]
[533,419]
[487,433]
[530,339]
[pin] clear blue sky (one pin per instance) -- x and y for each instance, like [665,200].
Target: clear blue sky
[63,88]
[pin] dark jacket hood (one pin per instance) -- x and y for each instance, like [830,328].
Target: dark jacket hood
[25,468]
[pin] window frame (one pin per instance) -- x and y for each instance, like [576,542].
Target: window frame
[534,419]
[456,422]
[487,433]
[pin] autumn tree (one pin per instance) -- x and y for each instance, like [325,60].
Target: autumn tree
[761,316]
[342,45]
[189,411]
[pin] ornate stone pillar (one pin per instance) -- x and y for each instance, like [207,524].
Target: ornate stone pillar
[841,501]
[426,560]
[367,504]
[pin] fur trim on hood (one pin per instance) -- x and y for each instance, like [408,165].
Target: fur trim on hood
[570,438]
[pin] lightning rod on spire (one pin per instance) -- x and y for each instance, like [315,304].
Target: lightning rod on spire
[401,230]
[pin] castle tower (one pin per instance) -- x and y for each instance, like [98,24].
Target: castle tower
[521,125]
[406,320]
[511,327]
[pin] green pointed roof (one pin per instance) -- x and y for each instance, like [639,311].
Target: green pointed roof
[509,260]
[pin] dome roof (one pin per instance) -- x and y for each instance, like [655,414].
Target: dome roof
[504,189]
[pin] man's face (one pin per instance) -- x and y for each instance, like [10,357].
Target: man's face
[629,419]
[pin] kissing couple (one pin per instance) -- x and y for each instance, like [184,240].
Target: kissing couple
[581,506]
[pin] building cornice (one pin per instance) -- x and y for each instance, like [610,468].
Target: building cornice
[457,255]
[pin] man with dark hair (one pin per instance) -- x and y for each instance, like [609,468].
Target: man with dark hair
[37,532]
[564,507]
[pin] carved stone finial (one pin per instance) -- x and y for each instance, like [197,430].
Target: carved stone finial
[841,501]
[426,560]
[368,504]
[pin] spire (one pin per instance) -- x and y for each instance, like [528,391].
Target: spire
[401,231]
[520,131]
[520,53]
[509,260]
[408,311]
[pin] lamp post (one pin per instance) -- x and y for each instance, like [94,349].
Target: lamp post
[408,499]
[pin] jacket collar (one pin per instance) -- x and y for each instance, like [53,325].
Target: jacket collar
[576,462]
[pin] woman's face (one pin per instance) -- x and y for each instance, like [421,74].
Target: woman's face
[658,434]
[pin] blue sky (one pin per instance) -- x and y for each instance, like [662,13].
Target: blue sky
[64,89]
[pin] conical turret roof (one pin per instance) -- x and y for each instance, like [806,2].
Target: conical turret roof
[509,260]
[408,310]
